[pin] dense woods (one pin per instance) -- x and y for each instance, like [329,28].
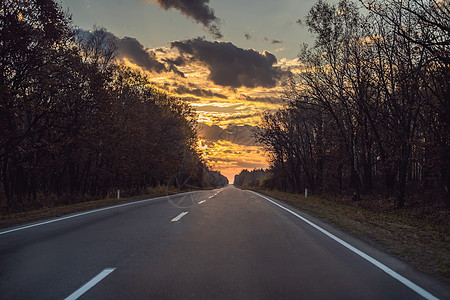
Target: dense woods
[369,110]
[75,124]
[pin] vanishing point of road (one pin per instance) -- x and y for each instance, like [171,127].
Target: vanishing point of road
[216,244]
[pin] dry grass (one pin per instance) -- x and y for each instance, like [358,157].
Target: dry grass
[419,238]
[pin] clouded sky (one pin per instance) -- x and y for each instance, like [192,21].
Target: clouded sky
[228,58]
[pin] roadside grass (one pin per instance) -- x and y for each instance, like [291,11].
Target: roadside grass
[405,234]
[12,219]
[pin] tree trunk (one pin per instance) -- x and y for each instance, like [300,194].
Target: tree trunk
[403,173]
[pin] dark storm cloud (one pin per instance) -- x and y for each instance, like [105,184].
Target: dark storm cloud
[238,134]
[179,61]
[198,10]
[225,109]
[198,92]
[135,52]
[273,100]
[191,99]
[174,63]
[237,117]
[230,65]
[213,132]
[175,70]
[131,49]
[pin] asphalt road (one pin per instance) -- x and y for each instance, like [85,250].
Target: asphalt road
[220,244]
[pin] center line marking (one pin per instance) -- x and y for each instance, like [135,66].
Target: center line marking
[78,293]
[201,202]
[90,212]
[177,218]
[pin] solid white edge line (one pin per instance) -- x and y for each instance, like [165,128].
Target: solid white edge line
[177,218]
[370,259]
[87,213]
[78,293]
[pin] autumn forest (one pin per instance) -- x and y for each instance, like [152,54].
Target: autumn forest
[368,112]
[76,124]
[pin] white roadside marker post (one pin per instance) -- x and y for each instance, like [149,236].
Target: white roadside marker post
[306,193]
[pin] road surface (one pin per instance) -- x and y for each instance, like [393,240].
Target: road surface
[217,244]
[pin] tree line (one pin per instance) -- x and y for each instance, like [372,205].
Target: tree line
[369,109]
[254,178]
[76,124]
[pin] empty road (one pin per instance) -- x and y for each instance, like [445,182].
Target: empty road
[216,244]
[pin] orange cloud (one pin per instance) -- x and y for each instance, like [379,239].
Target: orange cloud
[226,113]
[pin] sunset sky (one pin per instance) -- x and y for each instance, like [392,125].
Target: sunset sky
[227,58]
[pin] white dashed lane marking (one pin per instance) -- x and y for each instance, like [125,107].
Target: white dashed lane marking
[177,218]
[78,293]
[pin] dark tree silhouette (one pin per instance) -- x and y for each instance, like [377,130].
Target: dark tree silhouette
[75,124]
[370,105]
